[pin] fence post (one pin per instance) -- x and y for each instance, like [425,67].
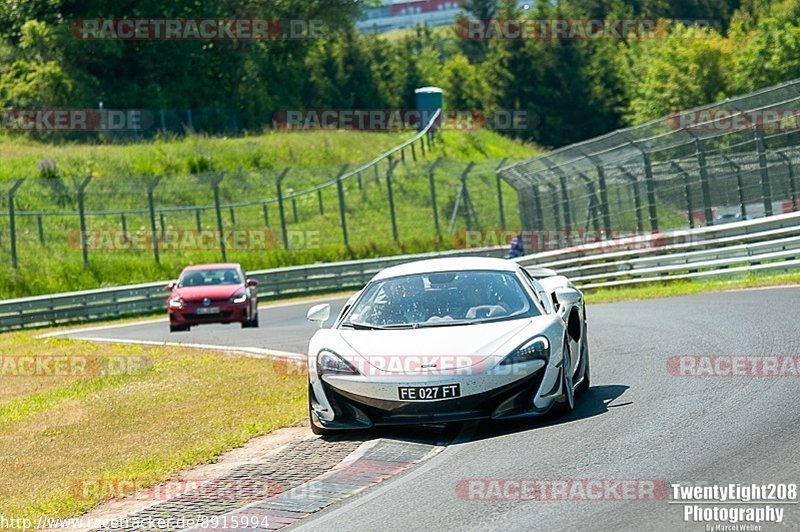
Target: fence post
[152,210]
[500,192]
[13,222]
[360,181]
[392,213]
[537,201]
[342,206]
[266,214]
[163,226]
[651,192]
[706,193]
[215,185]
[82,215]
[233,216]
[687,190]
[592,213]
[766,187]
[319,197]
[792,185]
[739,186]
[281,213]
[604,209]
[413,152]
[124,228]
[556,209]
[294,209]
[40,224]
[468,207]
[198,221]
[567,211]
[637,199]
[422,145]
[432,183]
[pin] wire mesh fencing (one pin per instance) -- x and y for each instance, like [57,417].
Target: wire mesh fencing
[724,162]
[404,200]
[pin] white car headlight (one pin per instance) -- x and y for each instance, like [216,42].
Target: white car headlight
[329,362]
[176,302]
[537,348]
[239,298]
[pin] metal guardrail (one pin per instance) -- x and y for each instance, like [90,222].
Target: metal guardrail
[757,245]
[150,298]
[771,243]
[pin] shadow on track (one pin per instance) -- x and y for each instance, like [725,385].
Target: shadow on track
[593,402]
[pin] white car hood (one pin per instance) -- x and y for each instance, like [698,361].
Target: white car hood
[411,350]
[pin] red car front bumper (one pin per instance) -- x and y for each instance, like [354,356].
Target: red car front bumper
[215,312]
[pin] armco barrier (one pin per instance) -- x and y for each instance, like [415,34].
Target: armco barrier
[765,244]
[137,300]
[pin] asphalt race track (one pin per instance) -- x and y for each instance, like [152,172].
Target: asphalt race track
[638,422]
[283,328]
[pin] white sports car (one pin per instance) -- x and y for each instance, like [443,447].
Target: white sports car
[451,339]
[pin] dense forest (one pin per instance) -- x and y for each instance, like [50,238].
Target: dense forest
[576,88]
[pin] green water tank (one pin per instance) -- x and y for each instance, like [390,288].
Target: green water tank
[429,100]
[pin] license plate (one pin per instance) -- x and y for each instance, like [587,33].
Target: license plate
[429,393]
[207,310]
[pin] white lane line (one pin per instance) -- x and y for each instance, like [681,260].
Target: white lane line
[163,320]
[321,299]
[256,352]
[100,328]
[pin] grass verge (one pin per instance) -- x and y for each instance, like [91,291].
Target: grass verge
[127,413]
[688,287]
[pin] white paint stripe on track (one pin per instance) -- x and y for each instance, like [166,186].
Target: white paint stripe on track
[163,320]
[66,332]
[257,352]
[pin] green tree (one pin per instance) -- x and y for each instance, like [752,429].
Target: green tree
[462,83]
[684,69]
[768,55]
[35,78]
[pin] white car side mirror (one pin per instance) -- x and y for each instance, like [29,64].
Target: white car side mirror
[567,296]
[319,313]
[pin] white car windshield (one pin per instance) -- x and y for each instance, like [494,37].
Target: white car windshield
[439,299]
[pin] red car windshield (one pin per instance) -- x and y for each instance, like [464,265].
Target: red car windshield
[210,277]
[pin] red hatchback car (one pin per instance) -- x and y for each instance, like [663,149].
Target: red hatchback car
[212,293]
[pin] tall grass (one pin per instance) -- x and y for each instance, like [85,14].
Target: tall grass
[121,174]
